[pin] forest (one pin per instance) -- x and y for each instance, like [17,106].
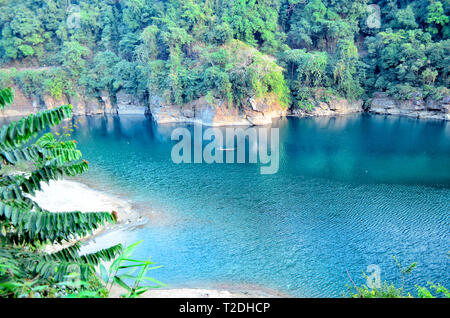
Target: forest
[183,50]
[296,52]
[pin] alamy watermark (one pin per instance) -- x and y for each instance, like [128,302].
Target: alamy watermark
[373,21]
[231,145]
[74,17]
[374,279]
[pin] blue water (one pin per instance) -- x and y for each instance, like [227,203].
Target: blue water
[349,192]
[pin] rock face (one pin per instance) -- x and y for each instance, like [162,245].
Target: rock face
[416,106]
[50,102]
[79,105]
[216,112]
[129,104]
[126,104]
[335,107]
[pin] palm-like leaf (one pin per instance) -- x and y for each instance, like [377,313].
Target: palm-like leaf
[24,225]
[6,97]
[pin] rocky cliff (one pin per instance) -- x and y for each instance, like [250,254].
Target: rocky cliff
[259,111]
[216,112]
[103,104]
[416,106]
[334,107]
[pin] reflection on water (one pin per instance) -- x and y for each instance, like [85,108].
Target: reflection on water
[350,192]
[351,148]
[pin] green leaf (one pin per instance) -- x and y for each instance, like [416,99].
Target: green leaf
[121,283]
[104,273]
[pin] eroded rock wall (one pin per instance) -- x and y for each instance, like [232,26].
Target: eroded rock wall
[82,104]
[416,106]
[334,107]
[216,112]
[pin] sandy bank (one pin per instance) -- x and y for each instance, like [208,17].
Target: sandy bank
[68,195]
[199,293]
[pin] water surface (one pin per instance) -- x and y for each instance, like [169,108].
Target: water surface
[350,191]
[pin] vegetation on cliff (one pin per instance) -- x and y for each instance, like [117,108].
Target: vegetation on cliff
[184,49]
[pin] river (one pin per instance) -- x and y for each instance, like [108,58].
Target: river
[349,192]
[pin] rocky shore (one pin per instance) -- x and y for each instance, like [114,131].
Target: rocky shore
[416,106]
[216,112]
[68,195]
[260,111]
[334,107]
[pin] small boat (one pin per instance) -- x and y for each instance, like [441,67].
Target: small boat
[226,149]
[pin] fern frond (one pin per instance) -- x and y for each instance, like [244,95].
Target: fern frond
[60,264]
[19,132]
[71,254]
[41,226]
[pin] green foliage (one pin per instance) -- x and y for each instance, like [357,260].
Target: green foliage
[439,290]
[6,97]
[167,48]
[389,290]
[385,291]
[26,269]
[25,228]
[135,271]
[410,54]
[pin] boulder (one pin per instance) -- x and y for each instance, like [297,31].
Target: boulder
[93,106]
[78,104]
[51,102]
[129,104]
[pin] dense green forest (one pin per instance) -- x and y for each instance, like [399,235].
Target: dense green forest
[297,50]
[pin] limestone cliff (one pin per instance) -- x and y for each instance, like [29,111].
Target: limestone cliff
[216,112]
[334,107]
[259,111]
[416,106]
[82,105]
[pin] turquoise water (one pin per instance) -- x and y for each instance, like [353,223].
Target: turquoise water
[349,192]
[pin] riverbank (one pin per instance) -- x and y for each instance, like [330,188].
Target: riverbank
[70,195]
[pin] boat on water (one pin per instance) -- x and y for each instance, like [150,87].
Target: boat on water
[226,149]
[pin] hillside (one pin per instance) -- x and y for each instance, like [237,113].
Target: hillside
[99,54]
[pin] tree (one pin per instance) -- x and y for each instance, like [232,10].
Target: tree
[73,56]
[437,19]
[25,227]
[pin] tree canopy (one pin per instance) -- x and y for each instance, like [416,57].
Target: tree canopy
[183,50]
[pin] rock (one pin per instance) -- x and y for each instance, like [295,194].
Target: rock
[107,105]
[93,106]
[22,105]
[415,106]
[258,119]
[51,102]
[129,104]
[188,111]
[253,104]
[216,112]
